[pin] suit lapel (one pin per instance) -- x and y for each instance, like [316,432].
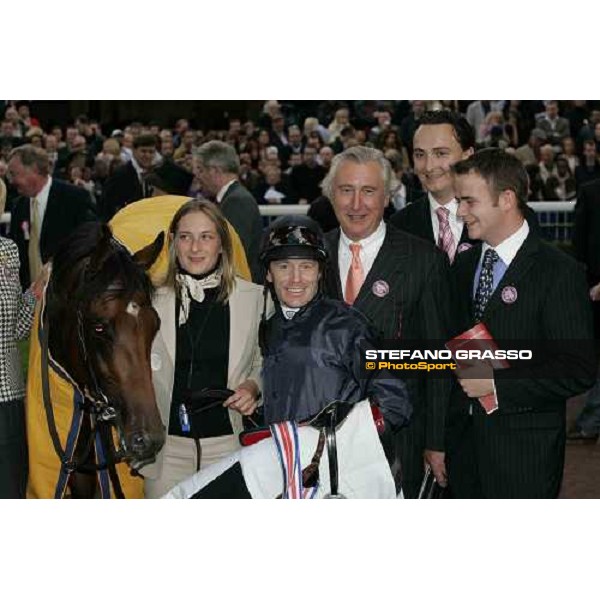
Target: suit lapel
[334,284]
[228,193]
[425,225]
[388,266]
[523,261]
[469,268]
[48,220]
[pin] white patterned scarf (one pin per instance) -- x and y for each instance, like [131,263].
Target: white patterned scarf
[190,287]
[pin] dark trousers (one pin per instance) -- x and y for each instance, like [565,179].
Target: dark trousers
[410,445]
[507,456]
[13,450]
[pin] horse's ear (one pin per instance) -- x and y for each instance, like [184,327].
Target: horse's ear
[148,254]
[102,250]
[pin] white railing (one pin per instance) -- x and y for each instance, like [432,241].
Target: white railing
[556,218]
[557,207]
[279,210]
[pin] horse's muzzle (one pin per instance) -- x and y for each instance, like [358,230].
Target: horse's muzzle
[143,448]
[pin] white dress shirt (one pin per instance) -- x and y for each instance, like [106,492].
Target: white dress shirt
[507,250]
[223,191]
[370,248]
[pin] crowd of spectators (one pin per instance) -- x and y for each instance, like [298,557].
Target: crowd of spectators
[285,151]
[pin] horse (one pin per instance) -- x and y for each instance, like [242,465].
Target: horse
[95,327]
[356,466]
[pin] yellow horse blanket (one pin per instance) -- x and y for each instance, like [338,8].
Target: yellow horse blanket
[48,476]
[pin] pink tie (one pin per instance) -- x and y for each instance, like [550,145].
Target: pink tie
[445,239]
[356,275]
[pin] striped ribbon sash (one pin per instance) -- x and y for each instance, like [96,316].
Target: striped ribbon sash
[285,435]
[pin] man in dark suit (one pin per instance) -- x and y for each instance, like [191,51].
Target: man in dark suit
[129,182]
[306,178]
[442,138]
[401,283]
[59,209]
[586,240]
[217,166]
[520,288]
[275,188]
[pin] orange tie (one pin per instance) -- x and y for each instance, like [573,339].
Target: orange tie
[356,275]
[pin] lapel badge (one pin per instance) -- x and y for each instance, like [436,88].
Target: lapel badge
[509,294]
[463,247]
[25,228]
[380,288]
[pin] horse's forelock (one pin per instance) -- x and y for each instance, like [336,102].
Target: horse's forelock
[78,264]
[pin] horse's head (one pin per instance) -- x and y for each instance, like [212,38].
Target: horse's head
[102,325]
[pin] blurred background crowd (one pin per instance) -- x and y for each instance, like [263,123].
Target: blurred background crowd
[285,147]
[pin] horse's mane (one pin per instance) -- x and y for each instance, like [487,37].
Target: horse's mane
[109,263]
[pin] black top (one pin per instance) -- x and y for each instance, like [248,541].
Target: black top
[202,361]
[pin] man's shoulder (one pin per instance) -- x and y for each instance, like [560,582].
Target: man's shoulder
[407,243]
[590,190]
[124,171]
[332,236]
[341,312]
[238,190]
[66,189]
[552,255]
[415,208]
[20,205]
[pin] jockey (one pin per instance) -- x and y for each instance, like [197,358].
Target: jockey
[313,347]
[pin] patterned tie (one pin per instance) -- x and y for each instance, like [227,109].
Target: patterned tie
[35,260]
[356,275]
[485,287]
[445,238]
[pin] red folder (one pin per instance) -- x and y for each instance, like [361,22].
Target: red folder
[477,338]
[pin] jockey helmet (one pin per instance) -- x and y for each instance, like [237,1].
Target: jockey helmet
[293,236]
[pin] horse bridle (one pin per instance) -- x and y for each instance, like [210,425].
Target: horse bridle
[100,406]
[103,412]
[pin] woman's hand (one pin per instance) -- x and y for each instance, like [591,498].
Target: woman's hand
[245,398]
[37,287]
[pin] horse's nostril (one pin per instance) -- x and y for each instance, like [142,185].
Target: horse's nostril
[138,443]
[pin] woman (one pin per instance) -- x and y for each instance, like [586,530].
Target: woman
[16,317]
[208,339]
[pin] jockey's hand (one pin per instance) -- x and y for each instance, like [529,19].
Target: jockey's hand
[245,398]
[436,460]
